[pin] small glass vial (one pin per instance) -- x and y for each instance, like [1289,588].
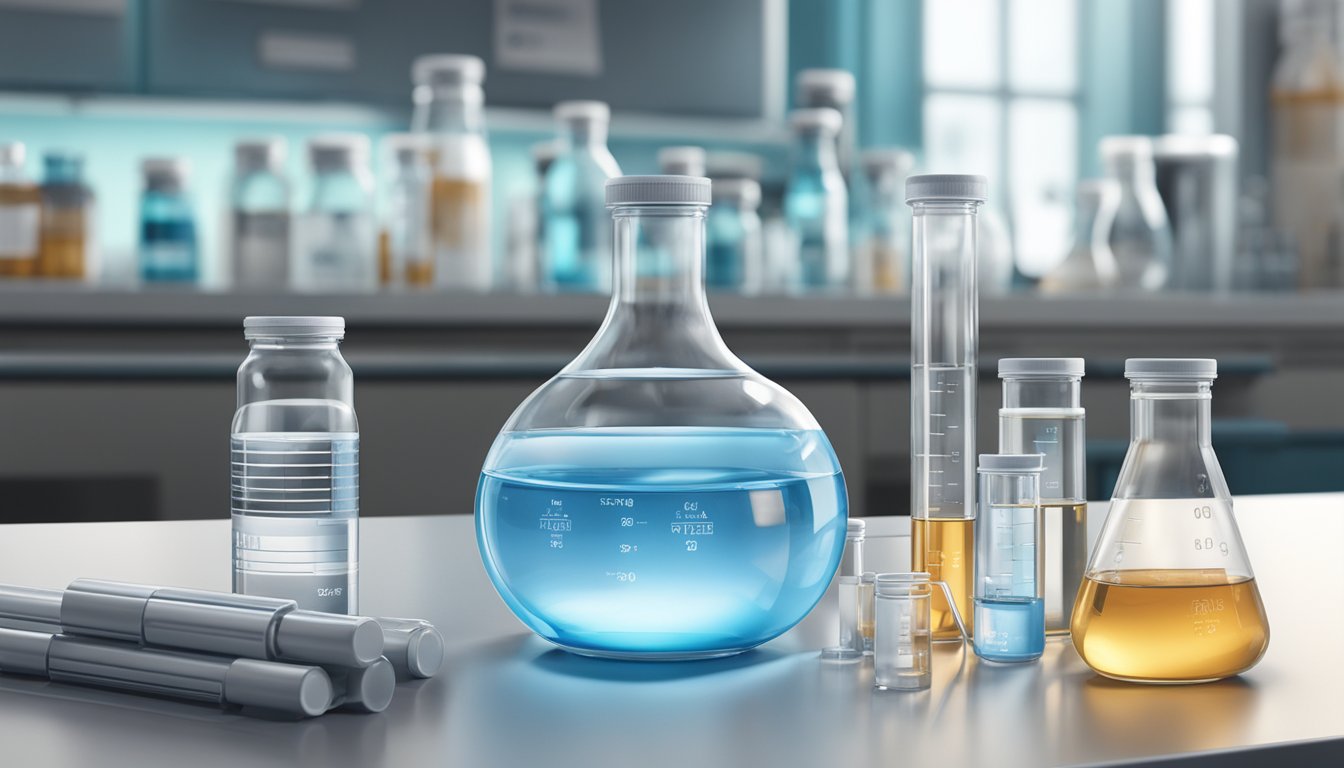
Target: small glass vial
[733,258]
[882,257]
[405,250]
[1090,265]
[259,202]
[902,641]
[848,576]
[1140,236]
[66,241]
[20,214]
[682,161]
[337,244]
[1009,597]
[833,89]
[867,584]
[576,229]
[816,202]
[168,249]
[295,466]
[450,113]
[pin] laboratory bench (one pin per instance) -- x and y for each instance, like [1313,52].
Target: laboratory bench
[118,400]
[507,698]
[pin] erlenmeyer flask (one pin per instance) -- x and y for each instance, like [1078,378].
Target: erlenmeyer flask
[1169,596]
[658,498]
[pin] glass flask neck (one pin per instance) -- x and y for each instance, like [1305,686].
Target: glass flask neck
[449,109]
[1042,392]
[815,151]
[1171,411]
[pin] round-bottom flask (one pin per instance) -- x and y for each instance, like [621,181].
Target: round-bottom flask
[658,499]
[1169,596]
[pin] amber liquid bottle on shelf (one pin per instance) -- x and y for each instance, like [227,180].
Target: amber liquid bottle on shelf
[20,215]
[66,239]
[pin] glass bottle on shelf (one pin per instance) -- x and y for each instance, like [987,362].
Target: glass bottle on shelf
[1090,265]
[1140,236]
[20,214]
[168,248]
[450,111]
[337,249]
[66,248]
[1169,596]
[658,499]
[816,202]
[882,258]
[405,251]
[733,259]
[259,203]
[682,161]
[832,89]
[523,241]
[575,226]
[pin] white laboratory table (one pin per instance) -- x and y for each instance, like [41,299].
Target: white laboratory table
[506,698]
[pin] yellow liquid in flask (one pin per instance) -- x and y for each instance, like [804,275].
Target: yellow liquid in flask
[945,549]
[1169,625]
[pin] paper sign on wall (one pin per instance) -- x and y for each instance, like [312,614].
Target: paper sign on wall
[554,36]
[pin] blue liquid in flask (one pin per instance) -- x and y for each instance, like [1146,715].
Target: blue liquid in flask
[1009,629]
[661,542]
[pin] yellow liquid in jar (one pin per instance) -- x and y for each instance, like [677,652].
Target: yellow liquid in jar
[1169,625]
[945,549]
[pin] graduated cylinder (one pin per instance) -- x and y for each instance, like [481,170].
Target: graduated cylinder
[944,327]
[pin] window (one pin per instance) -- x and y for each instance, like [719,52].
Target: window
[1001,97]
[1190,65]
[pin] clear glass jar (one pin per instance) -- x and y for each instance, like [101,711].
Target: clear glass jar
[1169,596]
[658,499]
[67,247]
[882,258]
[576,230]
[405,250]
[337,242]
[734,257]
[1090,265]
[1043,413]
[259,201]
[20,214]
[902,650]
[1009,570]
[849,582]
[295,466]
[816,202]
[1140,237]
[450,113]
[168,248]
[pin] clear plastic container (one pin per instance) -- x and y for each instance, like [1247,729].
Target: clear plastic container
[405,248]
[734,257]
[1090,265]
[576,229]
[259,204]
[67,241]
[337,249]
[816,202]
[659,499]
[944,343]
[1140,237]
[882,258]
[295,466]
[1009,570]
[849,644]
[168,248]
[20,214]
[450,113]
[1169,596]
[902,651]
[1043,413]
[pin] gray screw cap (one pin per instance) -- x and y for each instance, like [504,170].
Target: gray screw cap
[658,190]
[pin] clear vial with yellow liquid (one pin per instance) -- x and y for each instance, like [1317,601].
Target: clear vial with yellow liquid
[944,337]
[1169,596]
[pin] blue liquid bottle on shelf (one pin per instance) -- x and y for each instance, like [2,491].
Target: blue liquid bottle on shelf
[168,250]
[658,499]
[576,230]
[1009,598]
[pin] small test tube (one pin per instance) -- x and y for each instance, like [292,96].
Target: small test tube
[902,640]
[1009,597]
[850,645]
[867,585]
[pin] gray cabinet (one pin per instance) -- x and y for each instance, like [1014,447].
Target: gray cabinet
[86,45]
